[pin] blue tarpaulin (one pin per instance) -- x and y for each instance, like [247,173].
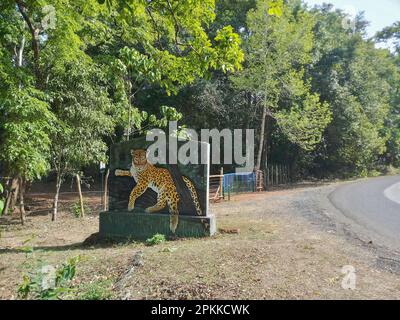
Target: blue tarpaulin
[239,182]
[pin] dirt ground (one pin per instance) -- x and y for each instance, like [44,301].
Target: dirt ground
[288,247]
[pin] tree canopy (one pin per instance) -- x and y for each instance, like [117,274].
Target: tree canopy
[78,75]
[70,73]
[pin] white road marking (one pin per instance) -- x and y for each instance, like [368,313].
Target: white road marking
[393,193]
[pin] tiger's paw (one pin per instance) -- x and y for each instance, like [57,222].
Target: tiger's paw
[173,224]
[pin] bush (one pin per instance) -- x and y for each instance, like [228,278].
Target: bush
[49,283]
[156,239]
[76,209]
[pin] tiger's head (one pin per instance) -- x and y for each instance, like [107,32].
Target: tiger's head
[139,157]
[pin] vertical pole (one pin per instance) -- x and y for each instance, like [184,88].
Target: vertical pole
[105,205]
[272,175]
[221,187]
[277,174]
[286,174]
[264,175]
[78,182]
[102,185]
[21,199]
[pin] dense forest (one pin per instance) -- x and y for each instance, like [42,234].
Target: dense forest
[79,75]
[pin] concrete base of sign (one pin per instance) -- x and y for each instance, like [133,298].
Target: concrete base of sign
[141,226]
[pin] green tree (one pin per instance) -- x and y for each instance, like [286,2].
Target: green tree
[355,79]
[278,47]
[391,35]
[85,115]
[30,55]
[26,125]
[160,44]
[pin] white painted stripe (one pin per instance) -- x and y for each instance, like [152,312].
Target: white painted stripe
[393,193]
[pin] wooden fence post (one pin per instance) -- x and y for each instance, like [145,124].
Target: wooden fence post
[105,204]
[78,182]
[221,187]
[272,175]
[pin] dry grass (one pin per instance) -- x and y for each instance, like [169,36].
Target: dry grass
[278,254]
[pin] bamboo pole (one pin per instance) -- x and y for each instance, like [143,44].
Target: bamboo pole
[78,182]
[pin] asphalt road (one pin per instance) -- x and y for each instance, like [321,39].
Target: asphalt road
[374,204]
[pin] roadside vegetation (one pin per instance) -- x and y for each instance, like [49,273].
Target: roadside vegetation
[77,76]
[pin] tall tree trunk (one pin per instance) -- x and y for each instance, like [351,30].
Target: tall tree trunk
[264,157]
[262,137]
[21,52]
[78,183]
[12,196]
[21,199]
[56,197]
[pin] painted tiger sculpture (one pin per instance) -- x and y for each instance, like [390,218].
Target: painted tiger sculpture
[160,181]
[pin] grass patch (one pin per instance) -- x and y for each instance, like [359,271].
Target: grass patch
[98,290]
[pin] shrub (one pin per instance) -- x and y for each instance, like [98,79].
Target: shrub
[75,209]
[156,239]
[49,283]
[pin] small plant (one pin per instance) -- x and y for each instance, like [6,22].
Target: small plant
[98,290]
[49,283]
[76,209]
[26,248]
[156,239]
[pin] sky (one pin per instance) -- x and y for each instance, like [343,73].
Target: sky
[380,13]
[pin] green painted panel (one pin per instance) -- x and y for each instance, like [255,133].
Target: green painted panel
[143,226]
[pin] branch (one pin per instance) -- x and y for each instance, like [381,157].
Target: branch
[177,27]
[148,9]
[22,10]
[35,41]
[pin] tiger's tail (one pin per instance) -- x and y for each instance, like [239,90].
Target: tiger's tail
[194,195]
[196,201]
